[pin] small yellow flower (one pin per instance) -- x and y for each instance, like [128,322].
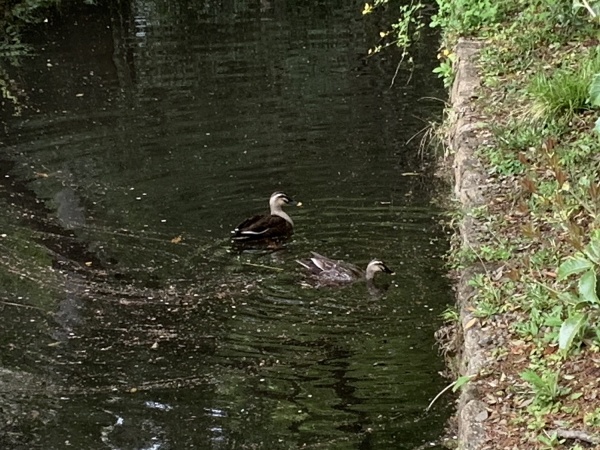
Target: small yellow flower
[368,9]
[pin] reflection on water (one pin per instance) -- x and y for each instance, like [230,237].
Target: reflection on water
[135,154]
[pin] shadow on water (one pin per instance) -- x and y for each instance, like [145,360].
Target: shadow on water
[128,322]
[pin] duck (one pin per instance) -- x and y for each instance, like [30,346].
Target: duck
[275,226]
[329,271]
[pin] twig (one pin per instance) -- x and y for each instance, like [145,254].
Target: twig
[410,76]
[20,305]
[429,97]
[487,273]
[576,434]
[554,291]
[440,394]
[262,266]
[418,133]
[398,69]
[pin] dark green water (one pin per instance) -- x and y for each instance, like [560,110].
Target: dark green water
[157,121]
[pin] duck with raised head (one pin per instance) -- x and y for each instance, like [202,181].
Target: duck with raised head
[276,226]
[329,271]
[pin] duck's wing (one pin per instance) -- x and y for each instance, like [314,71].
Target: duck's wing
[317,264]
[309,265]
[340,271]
[322,262]
[247,224]
[318,255]
[261,227]
[354,271]
[327,264]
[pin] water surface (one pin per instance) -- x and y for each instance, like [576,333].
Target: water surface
[145,133]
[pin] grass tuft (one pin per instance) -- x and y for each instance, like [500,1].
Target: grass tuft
[565,92]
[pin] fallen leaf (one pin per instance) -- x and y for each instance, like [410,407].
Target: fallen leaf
[490,399]
[549,350]
[177,239]
[88,263]
[471,323]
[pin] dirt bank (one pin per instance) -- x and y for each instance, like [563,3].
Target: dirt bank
[529,329]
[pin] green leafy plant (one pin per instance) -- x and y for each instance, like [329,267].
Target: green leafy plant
[545,386]
[592,419]
[595,97]
[502,162]
[500,252]
[569,330]
[489,297]
[402,33]
[461,381]
[450,314]
[445,70]
[550,441]
[591,7]
[595,90]
[585,264]
[465,16]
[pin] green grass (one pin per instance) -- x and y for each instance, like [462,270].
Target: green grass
[562,93]
[542,162]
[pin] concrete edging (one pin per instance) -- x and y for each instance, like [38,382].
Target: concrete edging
[464,137]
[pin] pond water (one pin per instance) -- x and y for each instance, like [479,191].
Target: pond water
[140,136]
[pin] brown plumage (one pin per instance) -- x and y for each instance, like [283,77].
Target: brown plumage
[329,271]
[275,226]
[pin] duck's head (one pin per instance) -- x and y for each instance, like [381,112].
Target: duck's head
[279,199]
[375,266]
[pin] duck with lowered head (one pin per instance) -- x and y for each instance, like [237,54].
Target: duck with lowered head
[275,226]
[330,272]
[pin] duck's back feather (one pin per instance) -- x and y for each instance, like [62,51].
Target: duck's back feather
[262,226]
[330,271]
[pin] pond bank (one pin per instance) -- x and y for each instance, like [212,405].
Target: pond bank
[463,139]
[526,249]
